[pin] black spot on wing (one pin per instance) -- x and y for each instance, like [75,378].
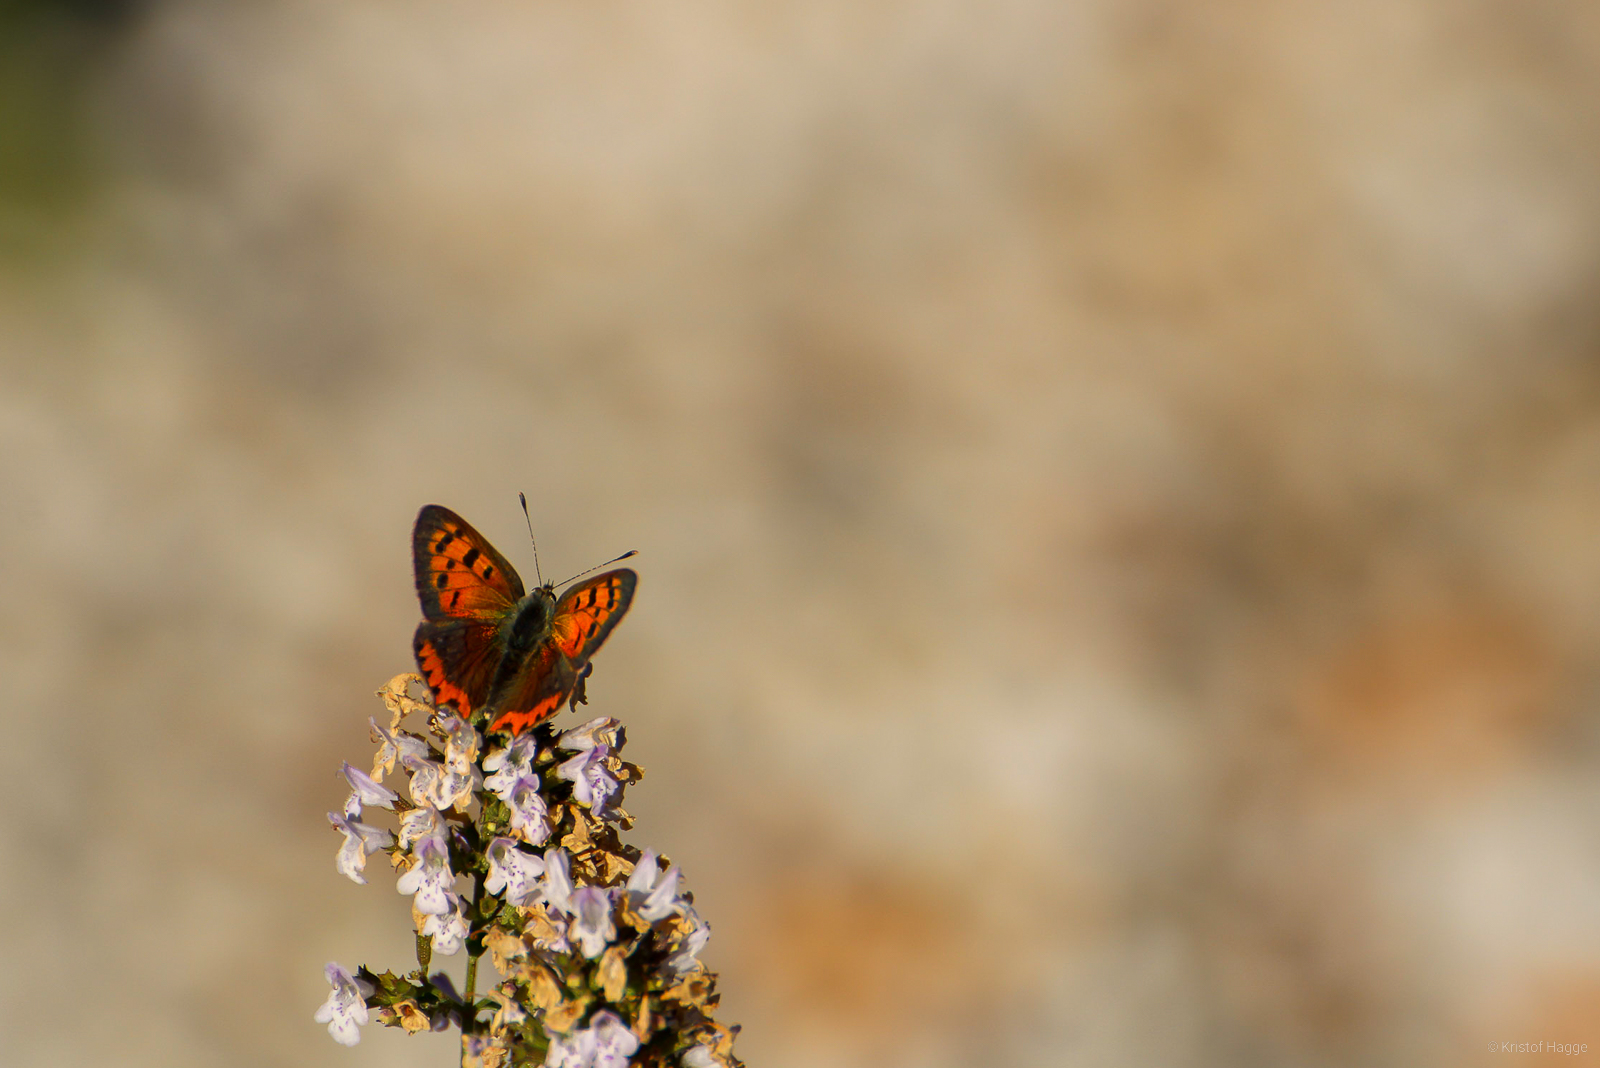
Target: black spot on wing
[470,557]
[440,580]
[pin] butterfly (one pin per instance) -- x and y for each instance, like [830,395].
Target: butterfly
[486,647]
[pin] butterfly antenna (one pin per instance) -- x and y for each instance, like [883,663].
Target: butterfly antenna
[597,567]
[523,498]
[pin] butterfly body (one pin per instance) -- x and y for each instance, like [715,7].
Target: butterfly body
[489,649]
[524,631]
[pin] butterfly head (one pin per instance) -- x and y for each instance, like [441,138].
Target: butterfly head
[530,622]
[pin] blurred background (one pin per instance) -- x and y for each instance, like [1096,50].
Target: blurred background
[1116,482]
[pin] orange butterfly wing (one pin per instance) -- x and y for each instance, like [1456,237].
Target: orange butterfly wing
[459,574]
[587,612]
[458,659]
[467,589]
[584,617]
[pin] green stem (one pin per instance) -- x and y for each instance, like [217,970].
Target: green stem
[469,1014]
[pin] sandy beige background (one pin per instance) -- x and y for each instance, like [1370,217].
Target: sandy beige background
[1117,484]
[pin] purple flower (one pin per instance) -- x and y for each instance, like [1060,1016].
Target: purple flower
[509,765]
[346,1008]
[514,871]
[365,790]
[360,839]
[420,823]
[434,784]
[605,1043]
[654,895]
[396,744]
[571,1051]
[444,985]
[686,955]
[602,731]
[476,1046]
[557,883]
[529,814]
[462,776]
[613,1042]
[426,777]
[461,741]
[509,1013]
[592,784]
[455,788]
[430,878]
[591,920]
[448,928]
[645,873]
[664,899]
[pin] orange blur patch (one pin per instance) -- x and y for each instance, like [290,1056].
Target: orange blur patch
[1560,1010]
[1437,694]
[868,958]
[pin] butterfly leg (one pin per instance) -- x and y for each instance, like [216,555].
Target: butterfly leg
[580,689]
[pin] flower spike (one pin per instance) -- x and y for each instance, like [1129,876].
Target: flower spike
[596,943]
